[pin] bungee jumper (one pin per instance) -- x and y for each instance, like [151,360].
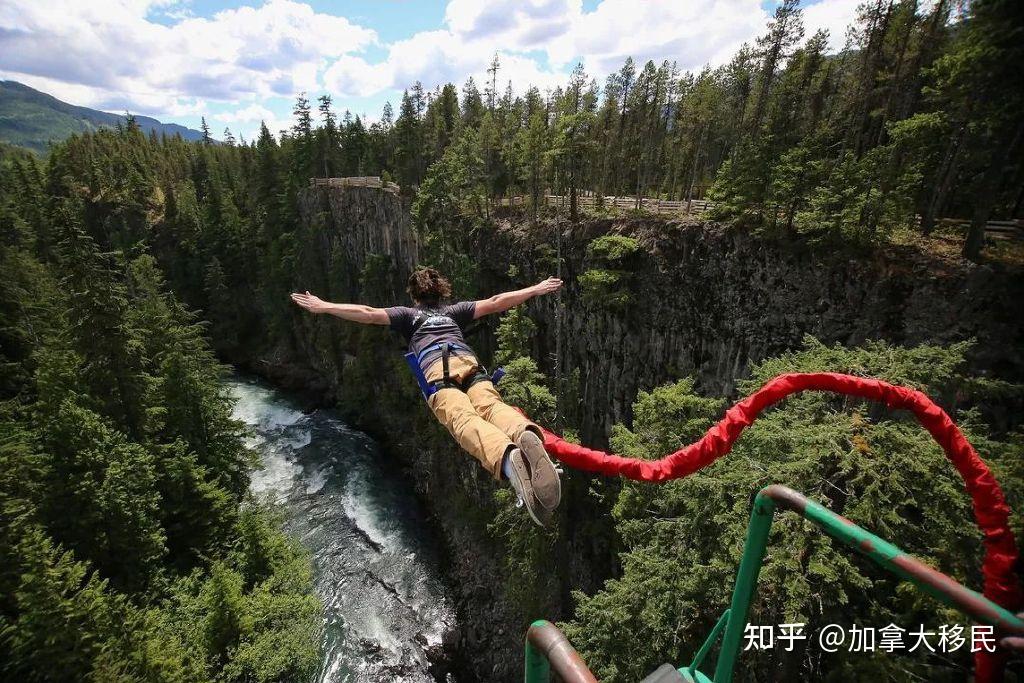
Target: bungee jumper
[457,388]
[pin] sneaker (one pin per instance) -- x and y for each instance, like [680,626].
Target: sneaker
[546,485]
[520,480]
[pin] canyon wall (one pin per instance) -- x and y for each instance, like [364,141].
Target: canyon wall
[706,301]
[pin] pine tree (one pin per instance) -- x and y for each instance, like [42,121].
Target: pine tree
[408,143]
[492,86]
[972,81]
[472,105]
[356,146]
[303,143]
[784,32]
[122,474]
[328,136]
[531,148]
[97,305]
[572,135]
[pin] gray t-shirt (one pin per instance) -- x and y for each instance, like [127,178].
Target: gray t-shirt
[423,327]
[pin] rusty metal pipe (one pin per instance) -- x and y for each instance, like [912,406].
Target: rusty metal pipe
[547,648]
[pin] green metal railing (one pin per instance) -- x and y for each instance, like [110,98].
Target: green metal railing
[543,646]
[881,552]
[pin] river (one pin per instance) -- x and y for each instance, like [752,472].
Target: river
[375,565]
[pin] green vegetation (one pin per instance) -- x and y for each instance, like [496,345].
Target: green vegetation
[523,384]
[130,549]
[608,284]
[912,121]
[526,546]
[853,146]
[604,289]
[787,139]
[612,248]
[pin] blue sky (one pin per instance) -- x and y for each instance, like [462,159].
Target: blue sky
[239,62]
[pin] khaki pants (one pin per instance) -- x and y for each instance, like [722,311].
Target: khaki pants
[483,425]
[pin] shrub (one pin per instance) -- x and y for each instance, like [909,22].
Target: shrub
[612,248]
[604,288]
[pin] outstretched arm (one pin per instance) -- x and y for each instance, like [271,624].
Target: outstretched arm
[357,313]
[506,300]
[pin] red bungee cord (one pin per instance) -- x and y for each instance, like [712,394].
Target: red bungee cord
[991,512]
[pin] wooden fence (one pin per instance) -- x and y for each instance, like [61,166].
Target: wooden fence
[998,230]
[356,181]
[663,207]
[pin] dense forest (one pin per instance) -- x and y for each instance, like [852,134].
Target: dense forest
[129,546]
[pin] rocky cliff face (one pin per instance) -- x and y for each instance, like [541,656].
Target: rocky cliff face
[707,302]
[703,301]
[353,244]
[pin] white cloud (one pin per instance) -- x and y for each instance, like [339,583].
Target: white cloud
[253,113]
[539,41]
[115,50]
[475,33]
[355,77]
[691,34]
[518,24]
[435,58]
[833,15]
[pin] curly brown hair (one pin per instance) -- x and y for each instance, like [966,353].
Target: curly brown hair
[428,287]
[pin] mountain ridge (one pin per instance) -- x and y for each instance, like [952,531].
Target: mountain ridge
[33,119]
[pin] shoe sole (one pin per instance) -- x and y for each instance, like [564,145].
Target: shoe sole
[546,485]
[522,472]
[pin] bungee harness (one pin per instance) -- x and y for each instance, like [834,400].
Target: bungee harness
[428,389]
[415,361]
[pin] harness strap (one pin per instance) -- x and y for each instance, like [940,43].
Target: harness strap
[428,389]
[415,361]
[479,376]
[440,347]
[446,378]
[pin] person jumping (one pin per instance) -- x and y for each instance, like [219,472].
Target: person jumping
[506,443]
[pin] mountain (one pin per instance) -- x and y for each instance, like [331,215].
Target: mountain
[30,118]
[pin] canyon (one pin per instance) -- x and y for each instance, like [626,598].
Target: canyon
[703,300]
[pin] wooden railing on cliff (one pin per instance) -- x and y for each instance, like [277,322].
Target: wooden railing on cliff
[999,230]
[994,229]
[663,207]
[357,181]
